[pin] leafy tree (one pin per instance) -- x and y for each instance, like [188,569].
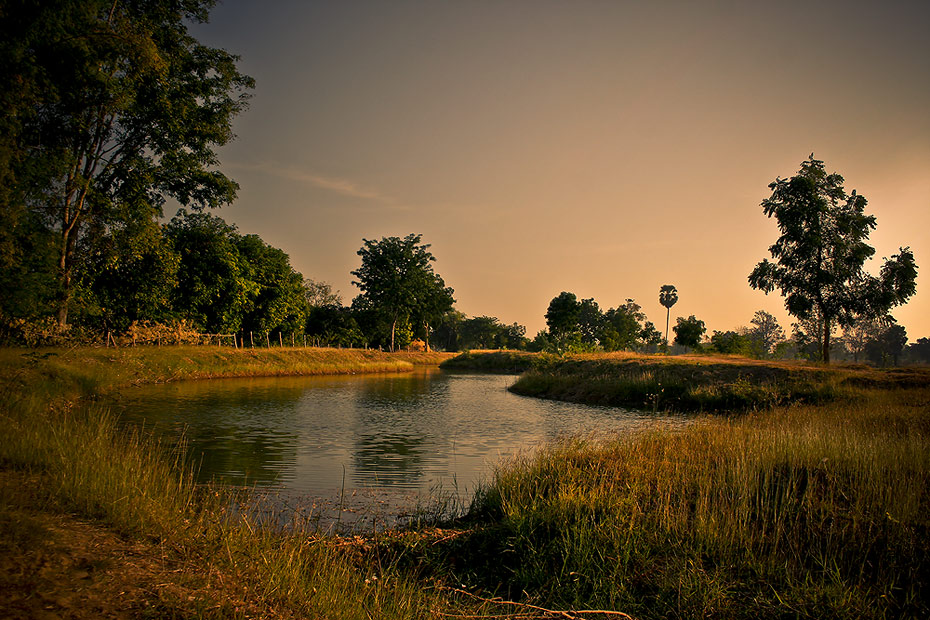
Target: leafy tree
[731,343]
[689,331]
[275,299]
[214,281]
[121,108]
[623,329]
[820,254]
[480,332]
[887,347]
[436,301]
[920,350]
[333,325]
[590,321]
[562,314]
[766,332]
[130,275]
[320,294]
[397,280]
[668,297]
[448,329]
[858,336]
[541,342]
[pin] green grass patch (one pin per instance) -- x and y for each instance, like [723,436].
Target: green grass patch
[694,383]
[510,362]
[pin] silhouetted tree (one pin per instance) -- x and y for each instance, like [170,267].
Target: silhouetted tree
[689,331]
[766,332]
[821,251]
[668,297]
[562,314]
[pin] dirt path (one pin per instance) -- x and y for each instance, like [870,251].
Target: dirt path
[56,566]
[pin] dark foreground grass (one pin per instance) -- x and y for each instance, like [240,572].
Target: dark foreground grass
[799,511]
[699,383]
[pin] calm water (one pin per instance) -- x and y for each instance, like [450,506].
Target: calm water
[379,436]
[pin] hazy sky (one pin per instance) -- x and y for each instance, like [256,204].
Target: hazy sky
[603,148]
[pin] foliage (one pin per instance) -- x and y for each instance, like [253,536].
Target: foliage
[887,347]
[766,332]
[397,280]
[689,331]
[119,108]
[731,343]
[320,294]
[820,253]
[668,297]
[333,325]
[562,314]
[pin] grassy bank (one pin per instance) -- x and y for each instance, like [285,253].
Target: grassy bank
[800,511]
[699,383]
[797,512]
[510,362]
[71,451]
[89,371]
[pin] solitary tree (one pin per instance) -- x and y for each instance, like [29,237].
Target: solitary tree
[397,280]
[668,297]
[820,254]
[689,331]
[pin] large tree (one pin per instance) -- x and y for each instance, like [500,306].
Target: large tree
[114,108]
[398,282]
[820,254]
[689,331]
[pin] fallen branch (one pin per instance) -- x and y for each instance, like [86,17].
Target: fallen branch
[555,613]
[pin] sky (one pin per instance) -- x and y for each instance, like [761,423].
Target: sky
[599,147]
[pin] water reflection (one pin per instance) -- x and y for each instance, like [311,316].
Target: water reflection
[333,436]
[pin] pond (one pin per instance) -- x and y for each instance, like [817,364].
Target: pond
[351,443]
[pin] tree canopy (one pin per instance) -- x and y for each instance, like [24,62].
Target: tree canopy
[110,108]
[397,281]
[819,256]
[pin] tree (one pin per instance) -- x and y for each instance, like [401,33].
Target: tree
[397,279]
[590,321]
[888,346]
[920,350]
[731,343]
[275,299]
[623,329]
[320,294]
[562,315]
[766,332]
[668,297]
[820,253]
[214,281]
[689,331]
[120,108]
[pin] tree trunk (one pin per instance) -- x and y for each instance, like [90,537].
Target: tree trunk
[393,326]
[668,311]
[826,341]
[427,337]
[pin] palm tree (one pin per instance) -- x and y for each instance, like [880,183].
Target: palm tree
[668,295]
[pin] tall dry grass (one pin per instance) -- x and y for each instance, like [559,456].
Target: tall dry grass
[800,511]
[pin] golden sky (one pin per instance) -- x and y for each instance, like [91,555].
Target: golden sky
[600,147]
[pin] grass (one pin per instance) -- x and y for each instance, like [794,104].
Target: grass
[699,383]
[510,362]
[819,508]
[801,511]
[87,465]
